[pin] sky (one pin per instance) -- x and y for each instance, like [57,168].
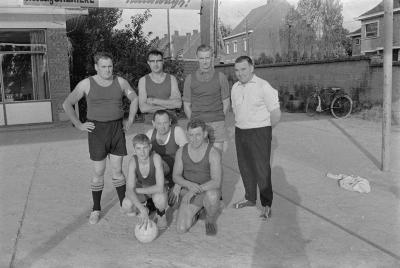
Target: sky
[231,12]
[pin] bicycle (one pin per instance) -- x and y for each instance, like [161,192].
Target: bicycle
[334,99]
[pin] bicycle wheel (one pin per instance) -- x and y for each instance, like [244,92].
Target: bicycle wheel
[341,106]
[311,105]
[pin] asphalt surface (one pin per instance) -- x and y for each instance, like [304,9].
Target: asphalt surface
[45,203]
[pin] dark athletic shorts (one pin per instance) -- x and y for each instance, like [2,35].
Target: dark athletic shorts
[106,138]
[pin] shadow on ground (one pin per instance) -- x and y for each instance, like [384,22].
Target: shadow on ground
[38,252]
[280,242]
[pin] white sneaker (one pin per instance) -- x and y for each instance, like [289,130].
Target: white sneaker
[130,213]
[94,217]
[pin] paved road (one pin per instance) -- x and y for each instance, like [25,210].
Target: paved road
[45,202]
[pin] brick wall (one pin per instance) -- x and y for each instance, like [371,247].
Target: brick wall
[361,79]
[57,55]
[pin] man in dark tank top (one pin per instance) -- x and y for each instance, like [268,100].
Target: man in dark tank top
[145,180]
[206,96]
[198,170]
[105,125]
[166,139]
[158,90]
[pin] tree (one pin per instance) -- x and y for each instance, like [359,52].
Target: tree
[315,29]
[264,59]
[224,28]
[96,32]
[89,34]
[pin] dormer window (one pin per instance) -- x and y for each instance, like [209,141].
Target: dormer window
[371,29]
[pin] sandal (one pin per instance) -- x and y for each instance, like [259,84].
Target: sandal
[244,203]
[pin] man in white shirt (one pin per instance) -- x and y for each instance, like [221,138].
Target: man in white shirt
[256,107]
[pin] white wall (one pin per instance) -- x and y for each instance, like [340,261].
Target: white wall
[28,113]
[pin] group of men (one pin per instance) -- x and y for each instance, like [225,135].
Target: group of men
[170,167]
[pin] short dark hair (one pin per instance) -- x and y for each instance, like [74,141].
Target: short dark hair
[203,48]
[140,138]
[161,112]
[102,55]
[244,58]
[195,123]
[155,52]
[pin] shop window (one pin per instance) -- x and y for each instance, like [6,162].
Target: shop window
[23,65]
[371,30]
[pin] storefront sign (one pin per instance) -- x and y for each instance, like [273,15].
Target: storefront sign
[134,4]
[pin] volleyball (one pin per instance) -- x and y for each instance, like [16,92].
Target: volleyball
[146,235]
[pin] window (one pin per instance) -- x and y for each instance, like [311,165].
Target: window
[234,47]
[23,65]
[357,41]
[371,30]
[244,44]
[227,48]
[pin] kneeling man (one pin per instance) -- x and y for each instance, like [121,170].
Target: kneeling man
[198,171]
[145,180]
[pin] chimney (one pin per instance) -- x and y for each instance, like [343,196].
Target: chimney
[188,35]
[195,32]
[177,33]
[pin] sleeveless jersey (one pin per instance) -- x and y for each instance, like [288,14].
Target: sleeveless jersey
[156,90]
[197,172]
[150,180]
[104,103]
[206,99]
[167,151]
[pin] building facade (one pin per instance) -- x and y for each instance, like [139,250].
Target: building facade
[34,63]
[370,39]
[258,32]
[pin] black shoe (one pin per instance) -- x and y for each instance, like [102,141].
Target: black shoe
[150,206]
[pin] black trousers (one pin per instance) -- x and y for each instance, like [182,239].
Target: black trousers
[253,148]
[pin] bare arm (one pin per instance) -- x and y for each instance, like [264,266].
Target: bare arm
[131,186]
[149,133]
[144,106]
[225,92]
[174,101]
[187,107]
[72,99]
[215,170]
[131,95]
[226,103]
[187,96]
[275,116]
[159,187]
[180,136]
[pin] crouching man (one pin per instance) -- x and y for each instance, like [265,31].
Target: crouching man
[198,171]
[145,182]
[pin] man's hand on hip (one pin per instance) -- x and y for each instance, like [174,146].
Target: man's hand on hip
[87,126]
[128,123]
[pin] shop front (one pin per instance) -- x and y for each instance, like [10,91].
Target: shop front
[34,67]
